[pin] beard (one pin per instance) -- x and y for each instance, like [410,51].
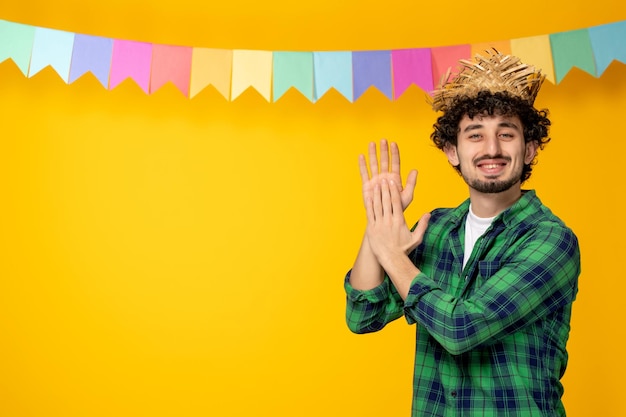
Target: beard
[492,185]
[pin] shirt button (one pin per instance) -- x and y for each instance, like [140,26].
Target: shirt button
[453,393]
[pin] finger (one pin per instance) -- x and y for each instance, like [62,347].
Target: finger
[384,155]
[373,159]
[395,200]
[387,208]
[395,158]
[377,204]
[420,229]
[365,176]
[409,188]
[369,211]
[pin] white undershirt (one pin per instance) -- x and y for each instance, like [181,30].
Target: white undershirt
[474,228]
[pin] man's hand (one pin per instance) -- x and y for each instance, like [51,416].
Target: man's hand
[387,231]
[389,170]
[387,239]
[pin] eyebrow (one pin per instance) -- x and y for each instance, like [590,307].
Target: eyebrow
[476,126]
[472,127]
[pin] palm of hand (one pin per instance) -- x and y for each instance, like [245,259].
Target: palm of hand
[387,169]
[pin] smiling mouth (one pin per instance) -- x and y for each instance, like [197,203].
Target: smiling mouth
[490,166]
[492,170]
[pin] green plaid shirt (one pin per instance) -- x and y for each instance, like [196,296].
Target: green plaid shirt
[491,336]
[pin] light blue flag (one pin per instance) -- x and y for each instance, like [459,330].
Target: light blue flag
[16,42]
[333,70]
[608,43]
[293,69]
[572,49]
[54,48]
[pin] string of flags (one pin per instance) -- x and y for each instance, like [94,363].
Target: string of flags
[273,73]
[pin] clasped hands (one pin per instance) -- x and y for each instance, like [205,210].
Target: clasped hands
[385,201]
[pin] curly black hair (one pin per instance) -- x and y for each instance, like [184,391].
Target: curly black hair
[535,123]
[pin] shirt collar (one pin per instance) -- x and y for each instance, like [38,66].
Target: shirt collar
[527,204]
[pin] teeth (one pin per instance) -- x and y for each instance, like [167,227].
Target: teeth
[490,166]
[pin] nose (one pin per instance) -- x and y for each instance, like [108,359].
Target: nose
[492,145]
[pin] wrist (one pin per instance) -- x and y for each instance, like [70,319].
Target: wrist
[393,261]
[402,272]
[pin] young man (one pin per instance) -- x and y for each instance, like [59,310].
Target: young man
[490,283]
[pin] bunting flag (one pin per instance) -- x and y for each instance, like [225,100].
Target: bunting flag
[536,49]
[273,73]
[293,70]
[211,67]
[251,69]
[411,66]
[572,49]
[372,69]
[131,60]
[171,64]
[607,44]
[53,48]
[332,70]
[446,58]
[16,42]
[91,54]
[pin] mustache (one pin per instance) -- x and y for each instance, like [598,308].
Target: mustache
[486,157]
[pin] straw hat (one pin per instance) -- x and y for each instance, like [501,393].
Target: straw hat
[495,72]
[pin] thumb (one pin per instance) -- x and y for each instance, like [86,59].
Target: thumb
[411,180]
[409,188]
[420,229]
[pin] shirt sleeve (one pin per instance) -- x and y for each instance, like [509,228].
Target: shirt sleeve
[540,278]
[370,310]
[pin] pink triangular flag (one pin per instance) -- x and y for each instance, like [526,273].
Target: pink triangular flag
[131,60]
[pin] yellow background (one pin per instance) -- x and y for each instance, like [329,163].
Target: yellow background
[161,256]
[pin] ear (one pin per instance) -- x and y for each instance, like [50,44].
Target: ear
[531,151]
[451,153]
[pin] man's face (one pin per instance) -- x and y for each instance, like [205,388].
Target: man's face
[491,152]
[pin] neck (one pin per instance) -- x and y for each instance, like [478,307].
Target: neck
[491,204]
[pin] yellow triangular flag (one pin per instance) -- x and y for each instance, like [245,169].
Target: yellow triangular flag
[211,67]
[252,69]
[536,51]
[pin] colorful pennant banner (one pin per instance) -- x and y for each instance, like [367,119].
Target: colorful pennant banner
[273,73]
